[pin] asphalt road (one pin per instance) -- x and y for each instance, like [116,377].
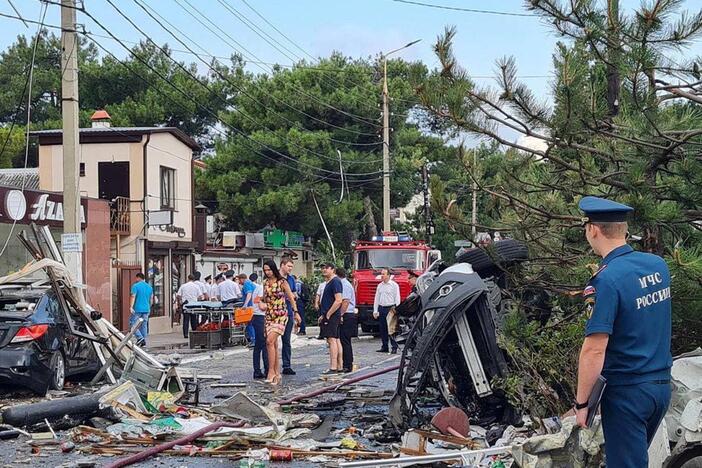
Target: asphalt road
[310,359]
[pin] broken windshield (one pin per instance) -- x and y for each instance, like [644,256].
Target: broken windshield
[390,258]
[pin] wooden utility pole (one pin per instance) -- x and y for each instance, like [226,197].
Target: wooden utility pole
[386,149]
[71,241]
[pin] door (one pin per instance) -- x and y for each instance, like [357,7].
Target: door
[113,180]
[126,275]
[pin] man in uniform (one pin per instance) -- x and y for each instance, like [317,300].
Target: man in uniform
[627,336]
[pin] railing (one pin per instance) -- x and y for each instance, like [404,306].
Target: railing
[120,221]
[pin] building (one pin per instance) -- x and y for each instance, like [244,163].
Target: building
[245,252]
[21,204]
[146,175]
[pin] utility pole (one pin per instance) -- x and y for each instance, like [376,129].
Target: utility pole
[474,214]
[386,149]
[386,137]
[71,240]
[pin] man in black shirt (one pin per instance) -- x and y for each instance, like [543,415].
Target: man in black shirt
[330,316]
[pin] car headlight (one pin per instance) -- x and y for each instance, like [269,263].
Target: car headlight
[424,281]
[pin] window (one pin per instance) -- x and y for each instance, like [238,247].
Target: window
[167,188]
[82,169]
[389,258]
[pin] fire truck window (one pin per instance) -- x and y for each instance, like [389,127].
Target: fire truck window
[402,259]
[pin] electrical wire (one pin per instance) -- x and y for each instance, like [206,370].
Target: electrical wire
[468,10]
[196,102]
[241,112]
[44,7]
[280,101]
[264,35]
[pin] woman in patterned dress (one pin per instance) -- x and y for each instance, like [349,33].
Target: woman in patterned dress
[275,289]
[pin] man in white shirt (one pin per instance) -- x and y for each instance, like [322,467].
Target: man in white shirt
[349,324]
[229,290]
[204,288]
[387,296]
[188,293]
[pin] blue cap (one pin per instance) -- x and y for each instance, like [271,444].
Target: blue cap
[604,211]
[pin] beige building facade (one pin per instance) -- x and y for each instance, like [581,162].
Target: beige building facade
[146,174]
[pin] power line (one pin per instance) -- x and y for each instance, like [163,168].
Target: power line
[113,37]
[30,79]
[152,12]
[467,10]
[218,72]
[239,16]
[196,102]
[323,122]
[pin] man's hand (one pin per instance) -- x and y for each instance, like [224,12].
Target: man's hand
[298,320]
[376,315]
[320,319]
[131,309]
[581,417]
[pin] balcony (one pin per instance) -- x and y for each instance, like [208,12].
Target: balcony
[120,220]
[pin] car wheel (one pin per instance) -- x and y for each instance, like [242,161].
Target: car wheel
[58,371]
[687,456]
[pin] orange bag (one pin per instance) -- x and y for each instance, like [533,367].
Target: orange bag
[243,315]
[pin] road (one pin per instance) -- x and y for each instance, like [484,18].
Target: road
[310,359]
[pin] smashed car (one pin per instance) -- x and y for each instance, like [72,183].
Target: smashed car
[451,352]
[37,350]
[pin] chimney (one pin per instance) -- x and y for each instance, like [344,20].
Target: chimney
[101,119]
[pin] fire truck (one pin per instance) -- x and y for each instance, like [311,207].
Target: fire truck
[396,251]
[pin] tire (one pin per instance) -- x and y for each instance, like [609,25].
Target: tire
[505,252]
[58,371]
[689,456]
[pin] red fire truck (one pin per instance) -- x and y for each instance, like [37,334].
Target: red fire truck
[396,251]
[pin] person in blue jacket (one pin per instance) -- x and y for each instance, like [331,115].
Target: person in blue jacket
[627,336]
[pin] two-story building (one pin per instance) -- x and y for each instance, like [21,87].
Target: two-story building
[146,173]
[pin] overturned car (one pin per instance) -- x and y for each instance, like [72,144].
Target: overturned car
[451,353]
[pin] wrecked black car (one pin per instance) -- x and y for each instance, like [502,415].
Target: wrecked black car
[37,350]
[451,353]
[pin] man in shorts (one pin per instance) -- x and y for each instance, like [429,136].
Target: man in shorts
[330,316]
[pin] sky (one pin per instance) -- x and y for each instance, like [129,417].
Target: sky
[357,28]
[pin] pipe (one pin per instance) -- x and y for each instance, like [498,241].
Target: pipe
[423,459]
[141,456]
[337,386]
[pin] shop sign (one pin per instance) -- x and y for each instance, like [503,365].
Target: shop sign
[180,231]
[33,207]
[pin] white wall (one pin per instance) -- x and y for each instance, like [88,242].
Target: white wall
[166,150]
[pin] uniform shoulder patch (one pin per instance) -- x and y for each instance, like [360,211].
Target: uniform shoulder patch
[588,291]
[599,270]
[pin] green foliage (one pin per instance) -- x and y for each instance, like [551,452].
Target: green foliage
[131,92]
[293,124]
[616,127]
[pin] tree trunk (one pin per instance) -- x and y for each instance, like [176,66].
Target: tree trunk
[613,52]
[371,227]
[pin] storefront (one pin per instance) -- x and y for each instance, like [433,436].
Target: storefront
[168,265]
[20,208]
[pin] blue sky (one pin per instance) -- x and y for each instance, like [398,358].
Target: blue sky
[354,27]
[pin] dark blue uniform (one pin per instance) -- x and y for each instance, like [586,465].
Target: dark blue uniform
[629,299]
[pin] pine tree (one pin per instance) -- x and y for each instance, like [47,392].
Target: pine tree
[624,123]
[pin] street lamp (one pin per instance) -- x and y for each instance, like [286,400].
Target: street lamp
[386,137]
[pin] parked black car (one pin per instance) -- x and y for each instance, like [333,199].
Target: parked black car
[37,349]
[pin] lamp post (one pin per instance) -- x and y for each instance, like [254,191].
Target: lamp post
[386,137]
